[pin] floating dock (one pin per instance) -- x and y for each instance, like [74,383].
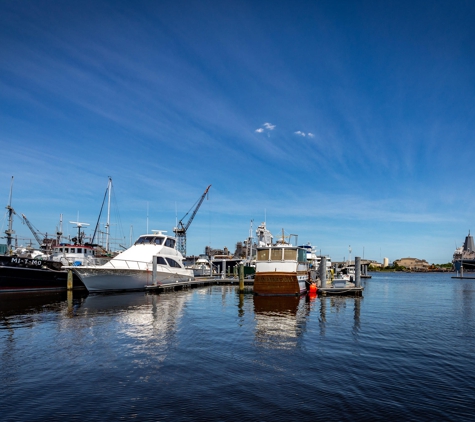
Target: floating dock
[350,291]
[199,282]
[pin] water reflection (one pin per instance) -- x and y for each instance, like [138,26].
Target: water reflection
[23,308]
[280,320]
[338,304]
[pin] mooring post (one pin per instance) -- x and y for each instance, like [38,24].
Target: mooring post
[323,272]
[223,272]
[241,277]
[461,270]
[358,271]
[70,280]
[154,269]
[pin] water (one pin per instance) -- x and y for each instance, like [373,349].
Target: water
[405,351]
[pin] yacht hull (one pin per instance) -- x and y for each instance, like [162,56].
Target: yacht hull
[280,283]
[107,279]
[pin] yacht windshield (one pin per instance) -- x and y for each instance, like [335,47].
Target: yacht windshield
[147,240]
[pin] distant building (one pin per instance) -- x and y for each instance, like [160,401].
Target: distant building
[385,262]
[414,264]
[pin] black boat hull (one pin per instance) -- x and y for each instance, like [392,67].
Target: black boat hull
[24,274]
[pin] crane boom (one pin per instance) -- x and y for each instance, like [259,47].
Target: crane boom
[180,230]
[33,231]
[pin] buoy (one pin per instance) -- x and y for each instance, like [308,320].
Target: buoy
[313,288]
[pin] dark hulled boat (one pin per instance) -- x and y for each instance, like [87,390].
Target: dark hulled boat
[20,274]
[465,255]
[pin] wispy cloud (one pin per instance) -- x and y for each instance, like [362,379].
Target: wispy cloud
[265,126]
[303,134]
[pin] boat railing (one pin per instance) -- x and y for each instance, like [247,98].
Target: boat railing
[128,264]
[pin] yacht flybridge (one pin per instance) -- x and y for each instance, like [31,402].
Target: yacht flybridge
[132,269]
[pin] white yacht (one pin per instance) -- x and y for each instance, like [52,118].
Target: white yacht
[202,267]
[133,268]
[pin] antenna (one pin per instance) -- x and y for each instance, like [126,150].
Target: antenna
[78,226]
[147,218]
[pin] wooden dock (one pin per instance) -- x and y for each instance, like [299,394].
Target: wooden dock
[200,282]
[248,283]
[342,291]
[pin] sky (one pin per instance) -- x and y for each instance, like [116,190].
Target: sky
[348,123]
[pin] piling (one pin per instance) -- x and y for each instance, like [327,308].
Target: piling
[154,269]
[223,272]
[358,271]
[323,272]
[70,280]
[241,277]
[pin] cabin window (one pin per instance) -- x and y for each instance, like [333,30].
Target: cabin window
[72,250]
[159,240]
[161,261]
[144,240]
[302,255]
[170,242]
[263,255]
[276,254]
[290,254]
[79,250]
[173,263]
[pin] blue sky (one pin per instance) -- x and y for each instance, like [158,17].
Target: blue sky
[347,123]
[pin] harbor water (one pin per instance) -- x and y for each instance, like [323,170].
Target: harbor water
[403,351]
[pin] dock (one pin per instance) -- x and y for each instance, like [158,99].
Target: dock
[200,282]
[342,291]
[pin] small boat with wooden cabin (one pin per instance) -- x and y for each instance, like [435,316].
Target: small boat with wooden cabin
[281,269]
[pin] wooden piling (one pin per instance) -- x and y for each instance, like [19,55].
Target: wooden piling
[70,280]
[241,277]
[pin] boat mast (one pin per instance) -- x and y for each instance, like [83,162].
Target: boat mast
[11,211]
[249,245]
[108,213]
[59,232]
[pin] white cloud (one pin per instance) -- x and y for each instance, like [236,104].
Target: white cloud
[260,130]
[311,135]
[300,133]
[269,126]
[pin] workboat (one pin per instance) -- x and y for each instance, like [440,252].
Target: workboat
[21,272]
[281,269]
[133,269]
[27,269]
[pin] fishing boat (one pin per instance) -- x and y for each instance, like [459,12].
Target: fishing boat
[133,268]
[29,269]
[281,269]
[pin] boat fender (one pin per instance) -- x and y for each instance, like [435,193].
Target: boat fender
[77,263]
